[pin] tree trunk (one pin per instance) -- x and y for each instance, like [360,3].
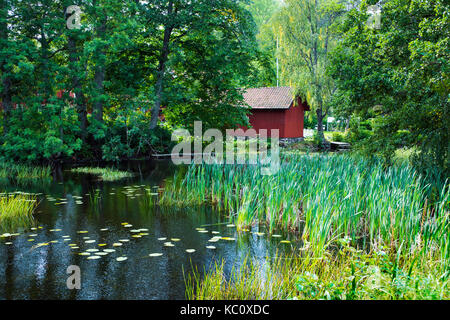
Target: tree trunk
[77,86]
[159,86]
[99,74]
[320,133]
[6,95]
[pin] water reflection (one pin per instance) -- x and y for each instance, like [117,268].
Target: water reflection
[31,272]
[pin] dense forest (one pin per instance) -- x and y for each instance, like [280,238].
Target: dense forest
[97,90]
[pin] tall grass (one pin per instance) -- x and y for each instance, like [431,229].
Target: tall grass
[350,275]
[106,174]
[23,173]
[16,211]
[325,198]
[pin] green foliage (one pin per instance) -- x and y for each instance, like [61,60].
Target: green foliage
[398,74]
[118,57]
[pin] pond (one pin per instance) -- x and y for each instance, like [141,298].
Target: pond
[79,213]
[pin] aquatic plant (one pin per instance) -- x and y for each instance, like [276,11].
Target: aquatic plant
[106,174]
[23,173]
[324,198]
[16,211]
[351,274]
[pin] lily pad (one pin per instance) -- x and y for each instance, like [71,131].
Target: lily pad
[155,254]
[121,259]
[190,250]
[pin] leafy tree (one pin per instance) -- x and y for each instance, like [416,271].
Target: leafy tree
[306,41]
[398,75]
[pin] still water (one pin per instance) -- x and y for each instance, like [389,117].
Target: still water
[71,203]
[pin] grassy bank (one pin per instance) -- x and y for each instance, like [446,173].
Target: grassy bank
[325,199]
[16,211]
[348,275]
[106,174]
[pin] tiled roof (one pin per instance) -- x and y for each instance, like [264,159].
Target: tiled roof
[269,98]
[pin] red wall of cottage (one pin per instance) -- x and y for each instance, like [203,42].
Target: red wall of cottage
[289,121]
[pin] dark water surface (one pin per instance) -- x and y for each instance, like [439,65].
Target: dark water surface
[28,271]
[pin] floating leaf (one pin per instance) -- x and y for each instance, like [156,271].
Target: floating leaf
[190,250]
[124,240]
[285,241]
[82,231]
[169,244]
[89,241]
[92,250]
[175,239]
[109,250]
[84,254]
[117,244]
[104,229]
[162,239]
[101,253]
[102,244]
[155,254]
[276,235]
[210,247]
[228,238]
[93,257]
[121,259]
[230,226]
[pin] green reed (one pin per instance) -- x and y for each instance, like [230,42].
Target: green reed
[16,211]
[324,197]
[24,173]
[106,174]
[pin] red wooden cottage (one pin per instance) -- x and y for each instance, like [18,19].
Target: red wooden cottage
[275,108]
